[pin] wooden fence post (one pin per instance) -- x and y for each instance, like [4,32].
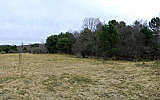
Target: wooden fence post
[20,58]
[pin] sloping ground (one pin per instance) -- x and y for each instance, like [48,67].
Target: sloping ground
[64,77]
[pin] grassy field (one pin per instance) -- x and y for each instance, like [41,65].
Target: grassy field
[65,77]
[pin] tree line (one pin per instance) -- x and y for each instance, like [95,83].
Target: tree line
[8,48]
[114,39]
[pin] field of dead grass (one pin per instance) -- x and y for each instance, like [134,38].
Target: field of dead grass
[65,77]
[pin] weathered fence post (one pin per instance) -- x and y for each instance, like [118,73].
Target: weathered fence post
[20,58]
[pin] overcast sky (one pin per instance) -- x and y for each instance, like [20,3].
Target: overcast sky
[31,21]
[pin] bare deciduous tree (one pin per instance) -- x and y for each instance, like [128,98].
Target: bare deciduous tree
[91,23]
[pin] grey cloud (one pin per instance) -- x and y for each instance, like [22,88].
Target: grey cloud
[32,21]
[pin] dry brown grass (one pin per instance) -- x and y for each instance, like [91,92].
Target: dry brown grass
[65,77]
